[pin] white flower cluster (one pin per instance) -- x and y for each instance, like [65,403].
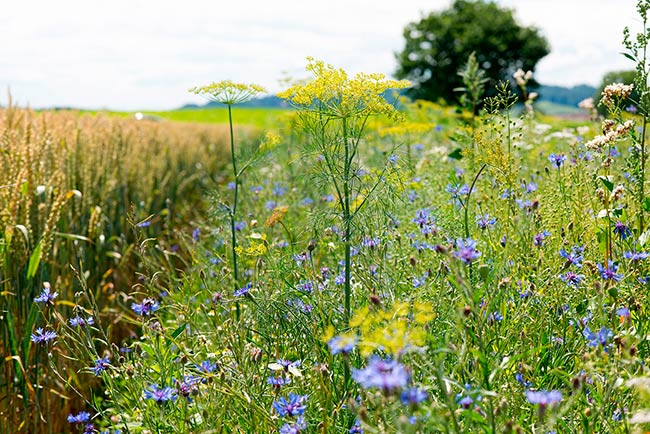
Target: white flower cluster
[611,133]
[615,92]
[522,77]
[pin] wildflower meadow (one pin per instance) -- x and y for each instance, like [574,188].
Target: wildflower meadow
[365,264]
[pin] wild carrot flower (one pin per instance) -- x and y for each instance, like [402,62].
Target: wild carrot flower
[46,296]
[295,405]
[42,336]
[387,375]
[160,395]
[146,308]
[466,250]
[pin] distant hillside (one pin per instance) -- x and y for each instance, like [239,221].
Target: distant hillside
[569,96]
[270,101]
[566,96]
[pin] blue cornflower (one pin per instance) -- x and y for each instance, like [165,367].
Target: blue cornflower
[574,257]
[521,380]
[623,312]
[294,406]
[466,250]
[231,185]
[78,321]
[256,189]
[458,192]
[160,395]
[207,366]
[340,279]
[622,230]
[301,305]
[195,234]
[524,204]
[146,308]
[538,240]
[46,296]
[270,205]
[609,272]
[495,317]
[544,398]
[438,128]
[393,159]
[600,338]
[387,375]
[571,278]
[307,201]
[485,221]
[239,226]
[300,258]
[557,159]
[306,287]
[419,281]
[413,396]
[342,344]
[465,401]
[100,365]
[370,242]
[42,336]
[294,428]
[243,290]
[278,382]
[529,187]
[286,364]
[81,417]
[418,147]
[636,256]
[279,189]
[356,428]
[144,224]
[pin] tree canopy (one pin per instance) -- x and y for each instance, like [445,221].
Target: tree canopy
[437,46]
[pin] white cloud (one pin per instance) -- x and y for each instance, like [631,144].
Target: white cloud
[131,54]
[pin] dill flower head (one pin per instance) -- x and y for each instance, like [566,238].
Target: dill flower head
[332,93]
[227,92]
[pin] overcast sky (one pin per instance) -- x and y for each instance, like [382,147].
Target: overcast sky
[136,54]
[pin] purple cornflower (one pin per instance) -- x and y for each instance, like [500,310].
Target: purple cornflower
[636,256]
[387,375]
[270,205]
[466,250]
[81,417]
[243,290]
[544,398]
[146,308]
[557,159]
[300,258]
[485,221]
[100,366]
[574,257]
[256,189]
[278,382]
[413,396]
[529,187]
[622,230]
[231,185]
[78,321]
[301,305]
[239,226]
[294,428]
[188,386]
[538,240]
[370,242]
[42,336]
[46,296]
[294,406]
[466,401]
[458,192]
[342,344]
[160,395]
[195,234]
[609,272]
[306,287]
[356,428]
[340,279]
[623,312]
[599,338]
[571,278]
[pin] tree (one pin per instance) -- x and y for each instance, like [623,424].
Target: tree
[439,45]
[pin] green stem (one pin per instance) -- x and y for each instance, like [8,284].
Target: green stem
[233,210]
[346,220]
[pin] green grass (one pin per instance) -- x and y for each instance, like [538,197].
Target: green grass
[258,117]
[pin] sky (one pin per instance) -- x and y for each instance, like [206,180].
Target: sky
[145,55]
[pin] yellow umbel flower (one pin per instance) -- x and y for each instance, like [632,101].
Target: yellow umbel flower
[227,92]
[332,93]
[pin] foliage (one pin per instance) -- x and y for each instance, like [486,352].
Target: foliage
[437,46]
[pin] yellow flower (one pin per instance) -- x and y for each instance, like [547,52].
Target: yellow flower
[332,93]
[227,92]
